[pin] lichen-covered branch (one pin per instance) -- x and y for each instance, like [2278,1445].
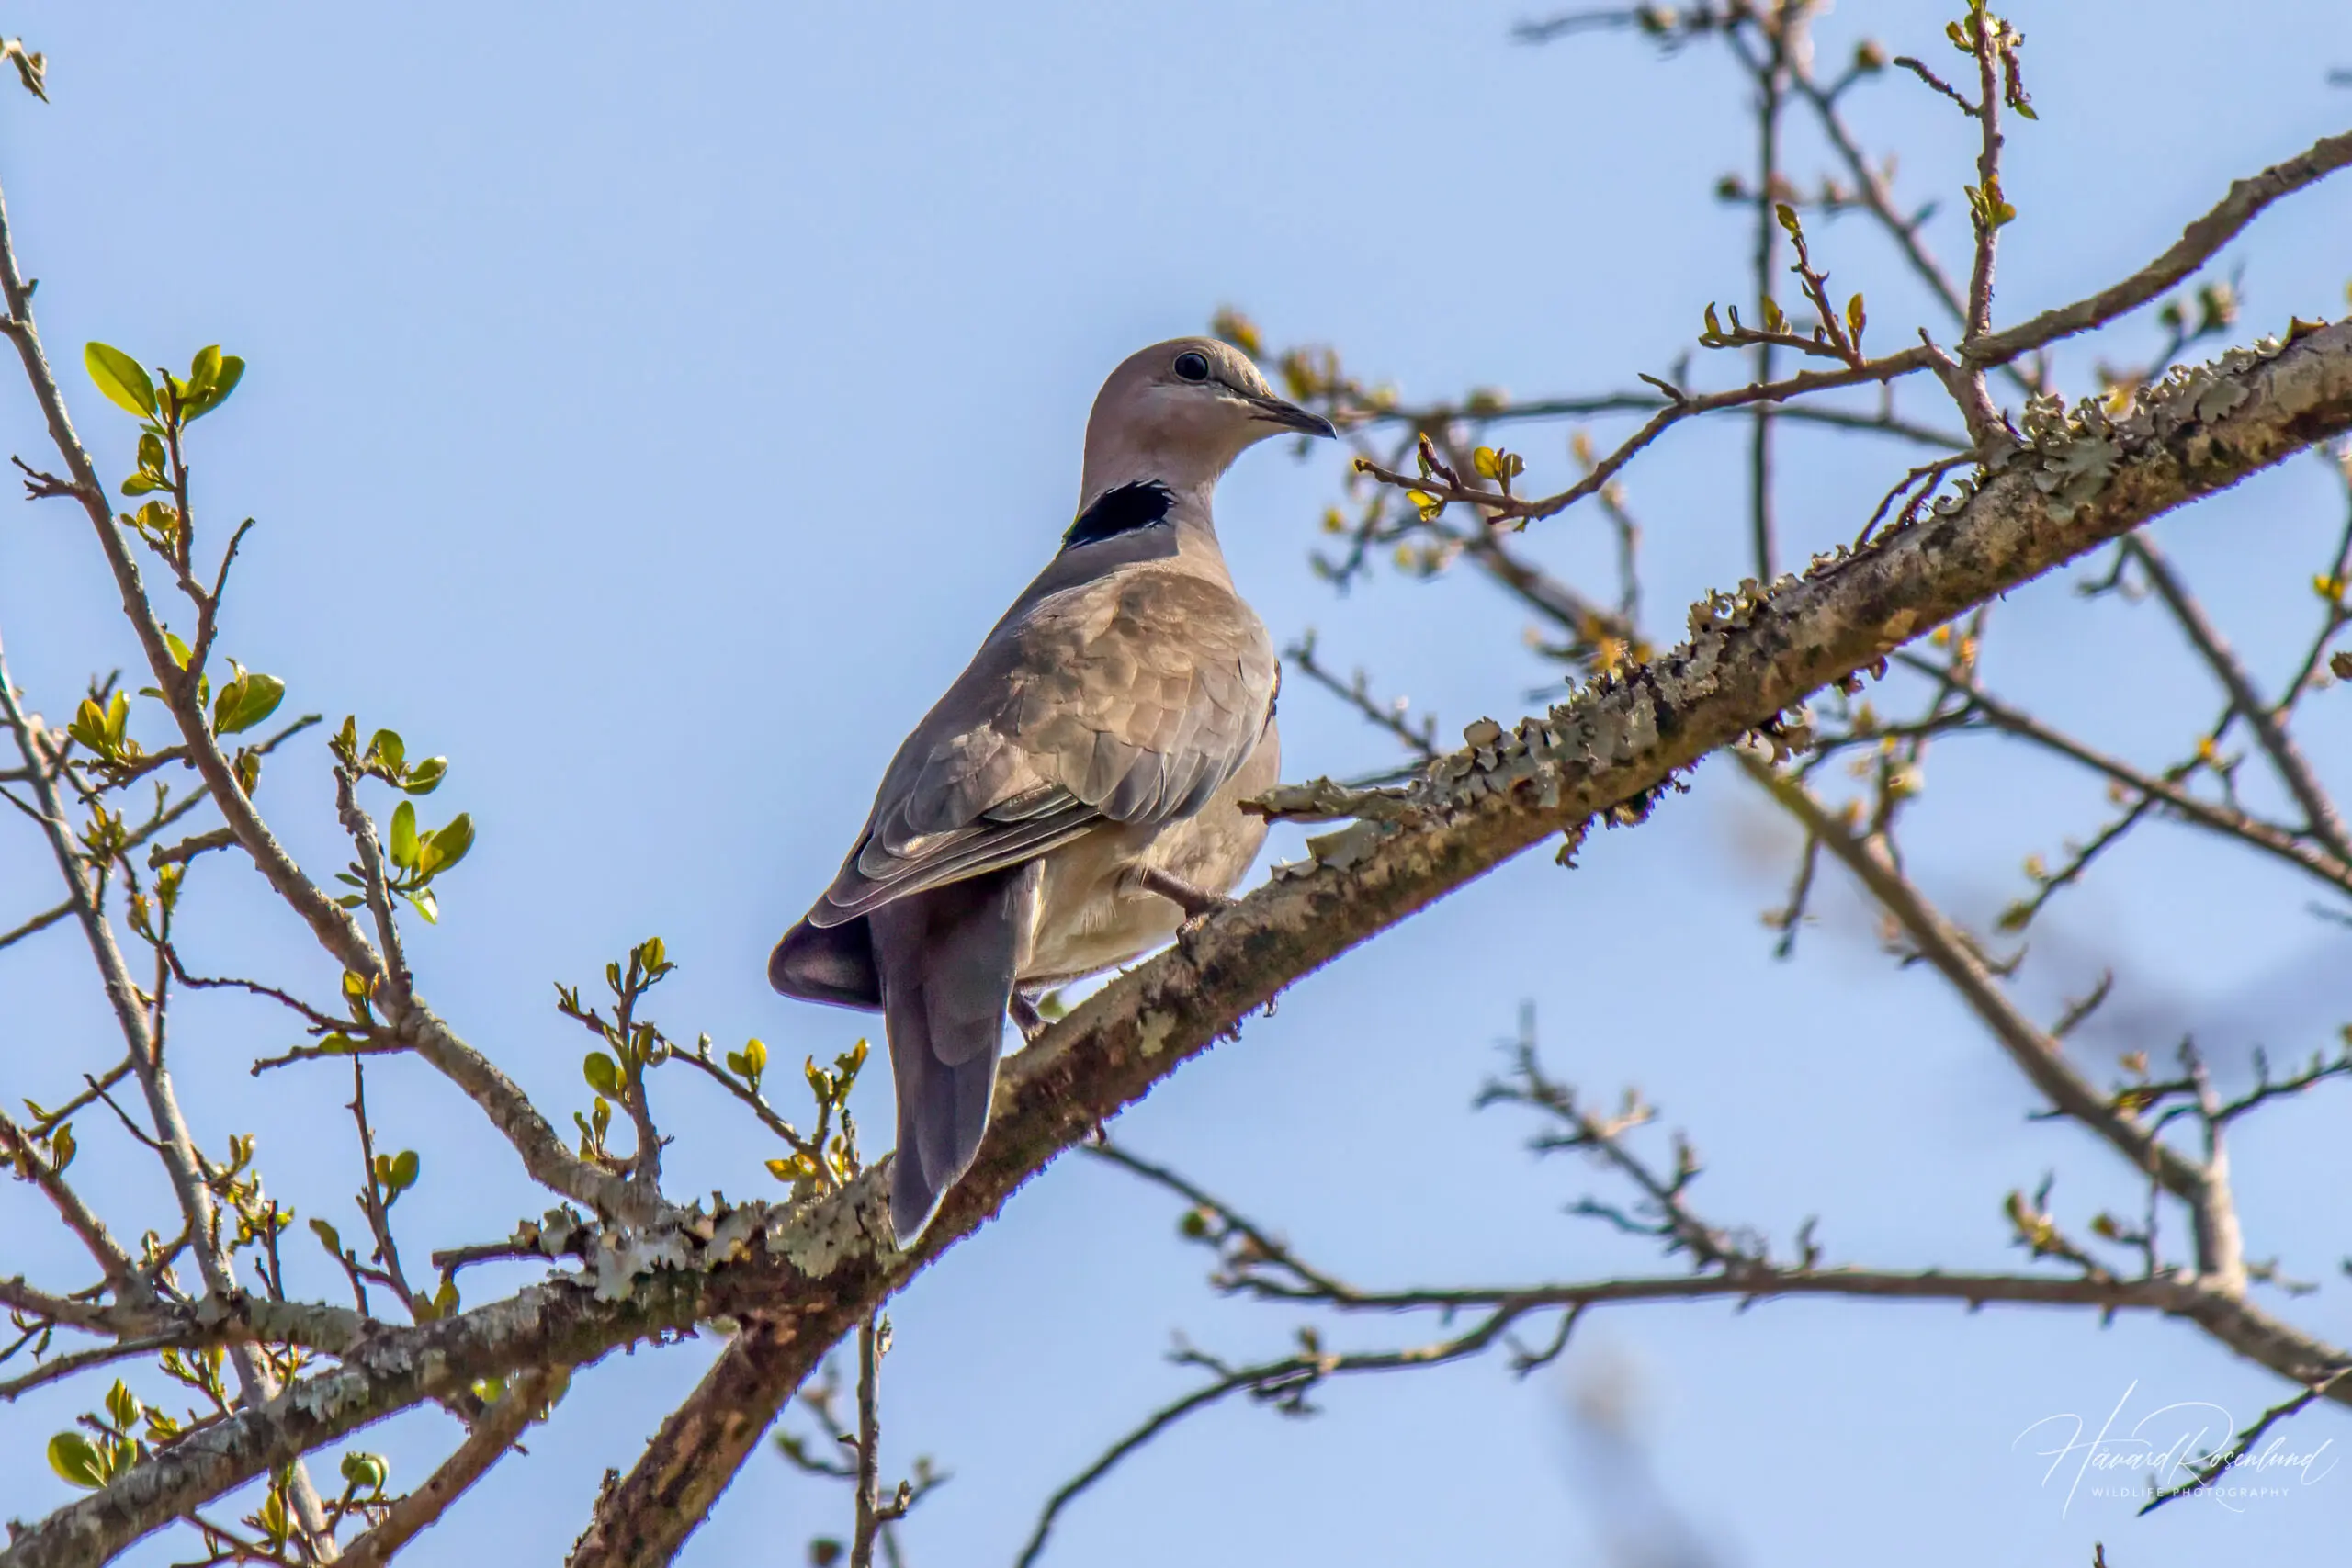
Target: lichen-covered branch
[803,1277]
[1618,741]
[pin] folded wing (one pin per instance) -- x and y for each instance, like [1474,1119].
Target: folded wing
[1129,699]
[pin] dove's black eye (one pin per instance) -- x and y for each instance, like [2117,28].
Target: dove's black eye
[1192,366]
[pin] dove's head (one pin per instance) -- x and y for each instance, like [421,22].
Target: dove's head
[1178,414]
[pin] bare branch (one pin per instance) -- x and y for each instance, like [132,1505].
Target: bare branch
[2210,815]
[30,1165]
[2197,245]
[2211,1469]
[2034,1052]
[1357,694]
[2294,768]
[1918,68]
[528,1400]
[1804,382]
[39,922]
[1288,1379]
[1617,741]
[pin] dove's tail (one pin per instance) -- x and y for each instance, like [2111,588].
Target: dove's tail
[945,957]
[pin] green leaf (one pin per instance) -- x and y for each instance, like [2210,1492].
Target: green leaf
[224,381]
[151,454]
[849,1062]
[61,1147]
[120,378]
[403,846]
[426,903]
[447,846]
[385,747]
[71,1455]
[367,1472]
[89,726]
[122,1405]
[427,776]
[180,654]
[246,701]
[603,1074]
[404,1169]
[203,370]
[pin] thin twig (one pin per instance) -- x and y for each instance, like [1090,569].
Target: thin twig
[2197,244]
[2294,770]
[528,1397]
[2206,1473]
[30,1165]
[2211,816]
[39,922]
[1918,68]
[1944,945]
[1286,1378]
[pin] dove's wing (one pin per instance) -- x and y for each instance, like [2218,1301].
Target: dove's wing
[1130,698]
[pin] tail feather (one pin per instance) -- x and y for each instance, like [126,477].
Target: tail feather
[945,958]
[827,963]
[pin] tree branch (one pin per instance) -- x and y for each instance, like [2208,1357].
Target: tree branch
[2243,201]
[543,1152]
[821,1267]
[1621,738]
[2213,816]
[2270,729]
[526,1402]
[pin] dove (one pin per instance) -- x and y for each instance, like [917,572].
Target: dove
[1073,799]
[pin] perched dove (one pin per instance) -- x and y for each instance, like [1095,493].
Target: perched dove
[1072,799]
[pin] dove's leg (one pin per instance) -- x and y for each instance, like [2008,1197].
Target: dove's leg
[1197,903]
[1026,1018]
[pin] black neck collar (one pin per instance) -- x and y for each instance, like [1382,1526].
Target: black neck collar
[1121,509]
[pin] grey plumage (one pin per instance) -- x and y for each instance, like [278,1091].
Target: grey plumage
[1107,727]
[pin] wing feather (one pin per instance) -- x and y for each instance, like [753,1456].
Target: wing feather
[1130,698]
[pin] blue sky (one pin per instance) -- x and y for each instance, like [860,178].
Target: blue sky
[650,415]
